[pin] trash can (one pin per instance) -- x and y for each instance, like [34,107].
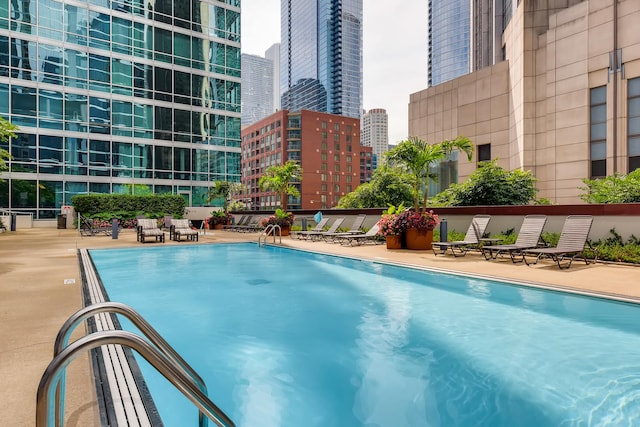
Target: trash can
[62,222]
[13,222]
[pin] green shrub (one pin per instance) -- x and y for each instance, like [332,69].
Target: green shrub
[613,189]
[490,184]
[126,206]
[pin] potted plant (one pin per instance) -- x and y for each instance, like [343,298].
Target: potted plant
[392,227]
[282,180]
[419,228]
[282,218]
[222,190]
[417,157]
[219,219]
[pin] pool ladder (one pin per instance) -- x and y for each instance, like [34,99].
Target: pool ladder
[270,229]
[157,352]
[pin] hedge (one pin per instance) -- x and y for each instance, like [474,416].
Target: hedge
[126,206]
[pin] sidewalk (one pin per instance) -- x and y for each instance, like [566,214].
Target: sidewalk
[40,287]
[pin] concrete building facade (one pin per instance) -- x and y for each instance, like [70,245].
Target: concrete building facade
[114,96]
[257,88]
[327,146]
[273,54]
[375,132]
[564,104]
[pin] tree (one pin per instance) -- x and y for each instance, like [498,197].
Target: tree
[7,130]
[417,157]
[223,190]
[613,189]
[388,186]
[281,179]
[490,184]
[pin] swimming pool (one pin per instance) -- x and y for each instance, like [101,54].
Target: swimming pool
[289,338]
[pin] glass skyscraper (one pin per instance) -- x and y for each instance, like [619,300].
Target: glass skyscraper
[321,56]
[114,96]
[465,36]
[449,40]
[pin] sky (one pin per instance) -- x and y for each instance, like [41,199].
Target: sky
[394,51]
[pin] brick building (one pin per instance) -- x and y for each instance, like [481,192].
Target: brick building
[327,147]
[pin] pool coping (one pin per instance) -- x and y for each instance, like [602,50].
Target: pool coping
[116,372]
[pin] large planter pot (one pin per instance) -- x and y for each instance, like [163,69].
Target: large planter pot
[394,242]
[419,239]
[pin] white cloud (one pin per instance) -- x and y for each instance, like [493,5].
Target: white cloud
[394,51]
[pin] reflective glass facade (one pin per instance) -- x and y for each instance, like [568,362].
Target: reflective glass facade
[113,94]
[449,53]
[321,56]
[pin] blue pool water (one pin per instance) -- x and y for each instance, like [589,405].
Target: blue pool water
[285,338]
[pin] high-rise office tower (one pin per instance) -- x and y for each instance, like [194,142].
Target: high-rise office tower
[321,56]
[117,95]
[257,88]
[375,132]
[464,36]
[273,54]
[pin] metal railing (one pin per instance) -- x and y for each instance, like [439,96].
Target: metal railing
[162,357]
[270,230]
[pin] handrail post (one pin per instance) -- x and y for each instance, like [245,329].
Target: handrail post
[64,334]
[170,370]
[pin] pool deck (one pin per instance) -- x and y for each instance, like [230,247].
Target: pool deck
[37,296]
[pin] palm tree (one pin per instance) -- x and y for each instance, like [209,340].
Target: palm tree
[417,156]
[281,179]
[223,190]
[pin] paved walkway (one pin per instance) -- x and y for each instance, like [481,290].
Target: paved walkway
[40,288]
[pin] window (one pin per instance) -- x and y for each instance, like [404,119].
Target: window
[336,188]
[336,126]
[323,177]
[348,178]
[349,129]
[324,146]
[348,161]
[336,157]
[633,101]
[323,187]
[349,188]
[336,178]
[323,167]
[323,156]
[336,146]
[484,153]
[336,167]
[598,134]
[348,166]
[336,137]
[324,126]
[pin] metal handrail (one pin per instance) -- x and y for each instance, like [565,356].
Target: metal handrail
[170,370]
[270,228]
[64,334]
